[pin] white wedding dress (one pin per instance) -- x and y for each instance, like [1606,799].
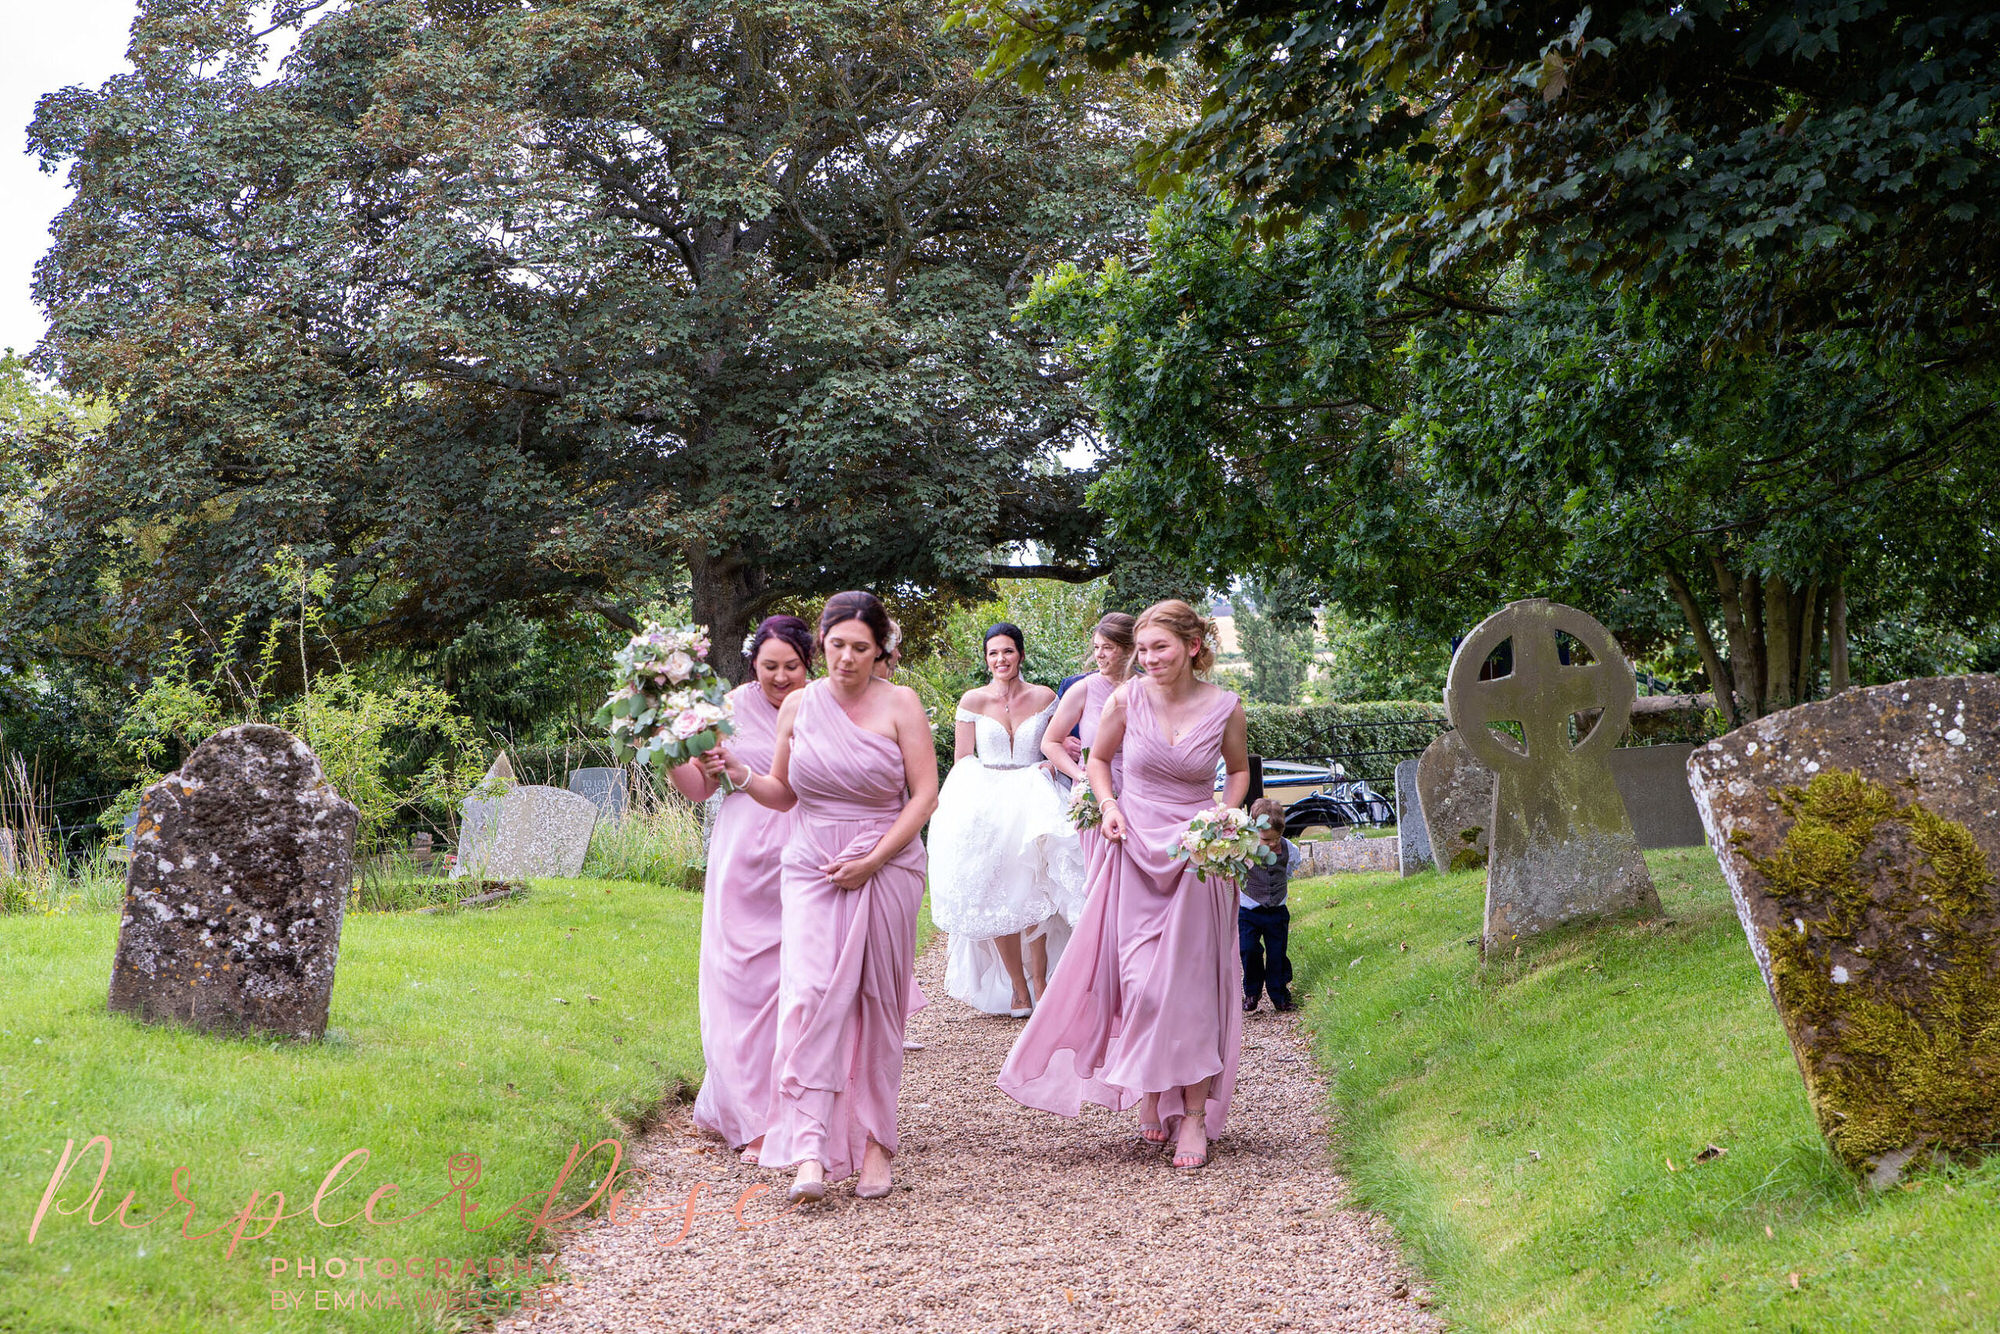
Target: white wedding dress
[1003,859]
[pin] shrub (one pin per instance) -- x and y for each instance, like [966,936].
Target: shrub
[1370,739]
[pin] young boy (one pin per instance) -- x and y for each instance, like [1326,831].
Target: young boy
[1262,919]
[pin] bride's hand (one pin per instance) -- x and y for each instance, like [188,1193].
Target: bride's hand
[1114,821]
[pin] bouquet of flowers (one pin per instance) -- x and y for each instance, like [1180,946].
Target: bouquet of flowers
[1084,812]
[1225,842]
[669,706]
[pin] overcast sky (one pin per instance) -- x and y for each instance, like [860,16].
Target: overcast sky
[46,47]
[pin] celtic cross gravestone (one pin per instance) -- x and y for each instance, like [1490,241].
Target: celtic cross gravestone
[1561,844]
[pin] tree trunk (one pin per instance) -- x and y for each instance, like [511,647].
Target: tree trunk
[1814,621]
[1711,661]
[1760,656]
[1742,657]
[728,595]
[1836,639]
[1780,643]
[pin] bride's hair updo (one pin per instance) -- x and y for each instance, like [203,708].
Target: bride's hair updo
[856,606]
[1011,631]
[1115,628]
[789,630]
[1186,624]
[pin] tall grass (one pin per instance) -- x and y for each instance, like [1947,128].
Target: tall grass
[660,840]
[39,872]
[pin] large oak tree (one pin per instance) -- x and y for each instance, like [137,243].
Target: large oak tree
[524,304]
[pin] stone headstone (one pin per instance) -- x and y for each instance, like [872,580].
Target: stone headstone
[1652,781]
[525,832]
[604,787]
[1455,804]
[1413,842]
[1329,855]
[7,864]
[1860,836]
[131,823]
[1562,847]
[241,866]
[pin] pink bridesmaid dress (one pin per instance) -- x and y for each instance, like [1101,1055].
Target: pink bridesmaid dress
[740,916]
[845,967]
[1097,690]
[1147,999]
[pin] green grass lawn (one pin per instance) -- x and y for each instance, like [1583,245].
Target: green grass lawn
[1533,1131]
[446,1037]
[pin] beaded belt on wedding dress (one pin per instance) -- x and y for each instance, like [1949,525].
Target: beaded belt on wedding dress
[1030,765]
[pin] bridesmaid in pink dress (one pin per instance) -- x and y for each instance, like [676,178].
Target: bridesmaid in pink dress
[885,667]
[854,755]
[738,980]
[1082,706]
[1144,1009]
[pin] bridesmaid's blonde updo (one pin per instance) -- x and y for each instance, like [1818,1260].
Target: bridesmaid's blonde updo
[1187,625]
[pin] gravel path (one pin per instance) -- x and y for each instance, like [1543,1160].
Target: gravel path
[1007,1219]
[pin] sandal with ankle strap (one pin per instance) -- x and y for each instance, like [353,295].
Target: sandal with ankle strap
[1198,1162]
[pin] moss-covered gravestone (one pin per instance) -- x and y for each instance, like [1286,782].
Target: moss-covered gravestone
[241,866]
[1861,839]
[1455,799]
[1562,845]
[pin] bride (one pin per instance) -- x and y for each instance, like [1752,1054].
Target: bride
[1006,868]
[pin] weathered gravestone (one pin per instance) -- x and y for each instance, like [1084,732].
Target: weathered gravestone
[1861,839]
[6,852]
[513,831]
[1413,843]
[605,789]
[1652,780]
[241,866]
[1455,804]
[1347,853]
[1562,847]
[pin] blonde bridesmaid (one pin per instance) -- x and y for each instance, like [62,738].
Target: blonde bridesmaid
[1145,1010]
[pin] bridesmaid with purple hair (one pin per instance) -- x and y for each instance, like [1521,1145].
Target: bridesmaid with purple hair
[1145,1009]
[740,910]
[854,756]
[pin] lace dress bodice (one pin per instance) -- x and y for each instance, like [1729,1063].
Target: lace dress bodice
[995,751]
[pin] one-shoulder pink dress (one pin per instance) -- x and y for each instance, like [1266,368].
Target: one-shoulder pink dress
[1147,998]
[845,966]
[740,918]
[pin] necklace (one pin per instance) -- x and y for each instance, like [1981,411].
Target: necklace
[1007,706]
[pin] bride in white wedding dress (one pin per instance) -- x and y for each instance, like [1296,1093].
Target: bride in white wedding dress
[1006,873]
